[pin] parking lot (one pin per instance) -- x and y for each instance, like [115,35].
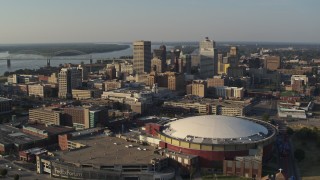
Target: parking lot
[264,107]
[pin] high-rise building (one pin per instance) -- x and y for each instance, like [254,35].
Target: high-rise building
[111,72]
[158,62]
[197,88]
[175,81]
[234,51]
[229,92]
[216,81]
[39,90]
[85,117]
[157,65]
[43,115]
[181,65]
[84,72]
[171,80]
[76,117]
[233,56]
[195,59]
[141,56]
[220,64]
[177,62]
[208,58]
[5,105]
[272,62]
[53,79]
[69,78]
[187,58]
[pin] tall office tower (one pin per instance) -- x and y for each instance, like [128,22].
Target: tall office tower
[159,59]
[233,57]
[84,72]
[69,78]
[187,58]
[176,56]
[198,88]
[234,51]
[220,64]
[181,65]
[208,58]
[141,56]
[161,53]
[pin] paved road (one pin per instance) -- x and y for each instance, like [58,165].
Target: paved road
[24,174]
[288,163]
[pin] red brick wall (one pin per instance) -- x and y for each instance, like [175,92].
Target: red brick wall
[162,144]
[2,150]
[63,141]
[23,154]
[152,128]
[208,158]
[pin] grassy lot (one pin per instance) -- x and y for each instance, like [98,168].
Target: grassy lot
[288,93]
[310,166]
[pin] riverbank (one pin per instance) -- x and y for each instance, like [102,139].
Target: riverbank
[62,49]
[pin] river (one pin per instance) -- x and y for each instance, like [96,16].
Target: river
[35,61]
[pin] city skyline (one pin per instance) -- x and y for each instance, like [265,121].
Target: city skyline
[113,21]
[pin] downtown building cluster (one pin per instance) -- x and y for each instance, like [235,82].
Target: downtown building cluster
[92,103]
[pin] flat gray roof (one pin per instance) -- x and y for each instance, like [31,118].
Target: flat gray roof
[11,135]
[4,99]
[104,150]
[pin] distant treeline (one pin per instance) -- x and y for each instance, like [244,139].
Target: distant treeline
[45,49]
[41,71]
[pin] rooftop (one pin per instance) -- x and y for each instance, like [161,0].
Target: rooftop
[4,99]
[50,129]
[216,129]
[10,135]
[212,101]
[85,132]
[35,151]
[104,150]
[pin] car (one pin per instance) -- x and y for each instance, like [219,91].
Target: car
[20,169]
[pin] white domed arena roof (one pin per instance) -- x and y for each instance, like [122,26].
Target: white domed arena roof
[214,126]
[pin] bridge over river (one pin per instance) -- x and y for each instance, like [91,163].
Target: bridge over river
[58,55]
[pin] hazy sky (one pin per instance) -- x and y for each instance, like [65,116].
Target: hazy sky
[54,21]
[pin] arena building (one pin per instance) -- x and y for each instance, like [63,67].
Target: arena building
[215,138]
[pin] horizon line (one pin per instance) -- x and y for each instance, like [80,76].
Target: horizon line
[162,42]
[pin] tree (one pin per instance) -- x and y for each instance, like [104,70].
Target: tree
[6,74]
[3,172]
[290,131]
[265,117]
[299,154]
[16,177]
[76,103]
[307,133]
